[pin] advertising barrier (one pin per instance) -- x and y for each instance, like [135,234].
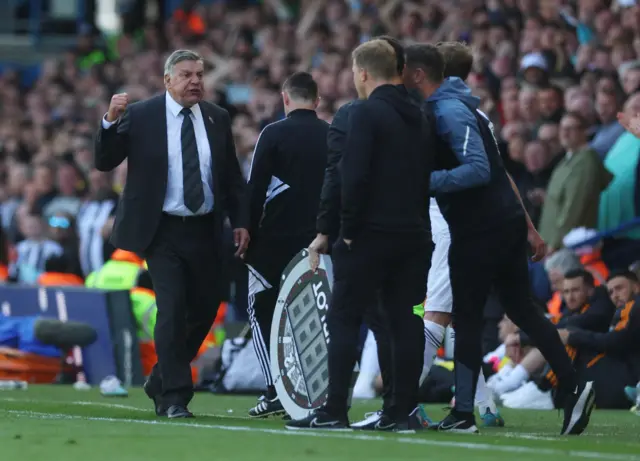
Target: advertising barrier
[116,350]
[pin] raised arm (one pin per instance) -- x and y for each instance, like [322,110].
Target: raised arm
[112,140]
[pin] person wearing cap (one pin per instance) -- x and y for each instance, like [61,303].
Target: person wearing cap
[590,253]
[535,69]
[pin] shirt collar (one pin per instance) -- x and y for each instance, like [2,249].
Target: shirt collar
[175,108]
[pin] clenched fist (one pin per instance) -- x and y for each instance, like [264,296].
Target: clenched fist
[117,106]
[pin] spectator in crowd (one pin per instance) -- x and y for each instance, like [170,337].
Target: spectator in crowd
[573,194]
[550,101]
[18,177]
[557,266]
[33,251]
[618,201]
[611,358]
[69,186]
[539,164]
[93,216]
[62,230]
[610,129]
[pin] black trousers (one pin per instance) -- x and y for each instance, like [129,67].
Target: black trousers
[395,266]
[183,263]
[499,259]
[375,317]
[610,374]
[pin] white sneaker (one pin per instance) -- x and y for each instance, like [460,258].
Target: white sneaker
[529,397]
[509,384]
[369,422]
[499,376]
[509,395]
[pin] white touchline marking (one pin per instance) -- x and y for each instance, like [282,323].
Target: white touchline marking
[112,405]
[351,436]
[517,435]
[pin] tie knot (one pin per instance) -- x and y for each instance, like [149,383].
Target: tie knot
[185,111]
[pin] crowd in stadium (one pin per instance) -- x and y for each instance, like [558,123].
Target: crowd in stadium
[552,76]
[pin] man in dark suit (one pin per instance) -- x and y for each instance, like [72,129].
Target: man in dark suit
[183,180]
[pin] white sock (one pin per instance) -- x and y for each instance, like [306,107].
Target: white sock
[484,399]
[433,335]
[369,369]
[513,380]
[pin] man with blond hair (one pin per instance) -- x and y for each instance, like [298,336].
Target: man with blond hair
[384,241]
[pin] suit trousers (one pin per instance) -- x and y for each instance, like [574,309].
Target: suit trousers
[393,267]
[183,262]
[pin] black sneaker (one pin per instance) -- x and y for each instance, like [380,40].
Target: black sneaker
[417,421]
[369,422]
[318,420]
[153,392]
[267,407]
[454,423]
[577,409]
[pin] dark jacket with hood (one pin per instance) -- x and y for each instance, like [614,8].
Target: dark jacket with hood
[386,165]
[469,182]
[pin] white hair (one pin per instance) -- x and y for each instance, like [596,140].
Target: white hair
[563,261]
[179,56]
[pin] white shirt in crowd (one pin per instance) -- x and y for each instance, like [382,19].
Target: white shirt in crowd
[174,198]
[91,219]
[32,256]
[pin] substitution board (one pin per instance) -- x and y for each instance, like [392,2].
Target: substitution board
[299,336]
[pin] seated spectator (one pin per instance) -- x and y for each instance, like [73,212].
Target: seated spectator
[590,255]
[33,251]
[556,266]
[573,194]
[586,307]
[611,359]
[618,201]
[57,272]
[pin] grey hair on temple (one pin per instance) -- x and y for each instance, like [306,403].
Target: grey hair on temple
[179,56]
[563,261]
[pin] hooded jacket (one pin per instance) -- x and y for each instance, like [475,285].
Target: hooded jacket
[386,165]
[469,180]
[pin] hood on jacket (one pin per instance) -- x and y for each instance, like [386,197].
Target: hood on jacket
[455,88]
[399,98]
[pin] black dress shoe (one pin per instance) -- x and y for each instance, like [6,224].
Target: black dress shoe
[179,411]
[153,394]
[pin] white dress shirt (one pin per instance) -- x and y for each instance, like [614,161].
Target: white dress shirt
[174,197]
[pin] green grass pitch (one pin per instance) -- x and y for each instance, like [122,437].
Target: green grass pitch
[54,423]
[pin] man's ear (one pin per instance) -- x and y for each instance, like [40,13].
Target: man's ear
[167,81]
